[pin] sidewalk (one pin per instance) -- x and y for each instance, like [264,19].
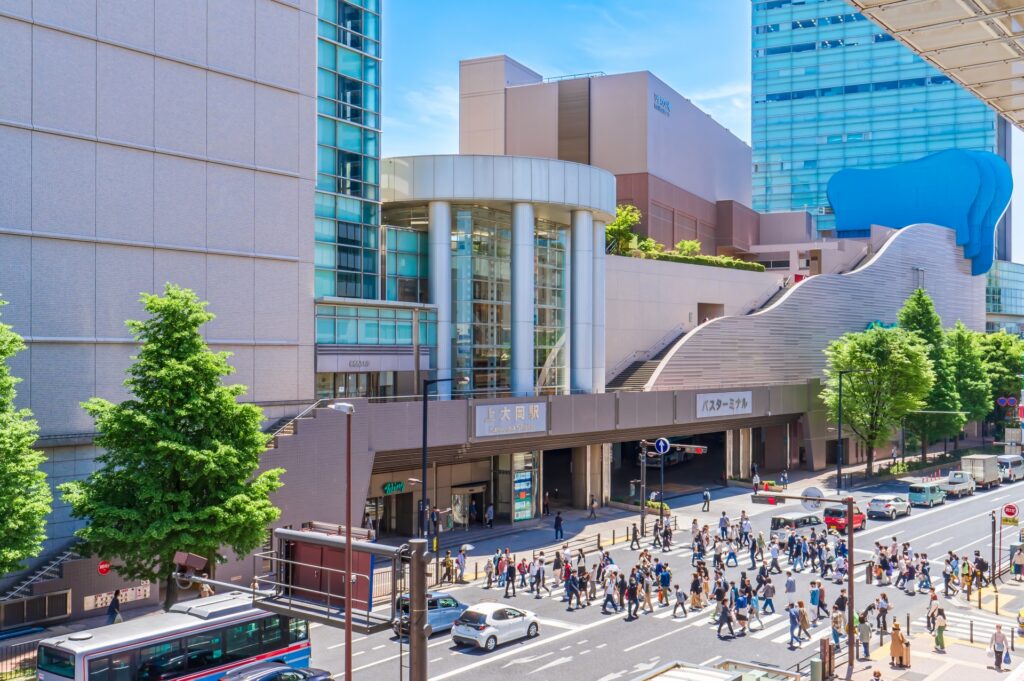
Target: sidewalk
[961,660]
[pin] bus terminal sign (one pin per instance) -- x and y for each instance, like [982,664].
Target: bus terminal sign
[710,405]
[511,419]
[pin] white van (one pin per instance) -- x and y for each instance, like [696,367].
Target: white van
[1011,467]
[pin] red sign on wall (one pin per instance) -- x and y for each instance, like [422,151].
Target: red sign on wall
[103,567]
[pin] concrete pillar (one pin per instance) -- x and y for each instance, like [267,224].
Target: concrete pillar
[730,453]
[439,237]
[599,302]
[523,294]
[746,447]
[581,371]
[580,476]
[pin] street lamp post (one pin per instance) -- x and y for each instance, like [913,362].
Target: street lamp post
[424,500]
[348,410]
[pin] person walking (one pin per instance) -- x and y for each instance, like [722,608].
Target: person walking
[572,589]
[899,647]
[790,585]
[864,635]
[997,644]
[633,599]
[769,596]
[510,577]
[609,595]
[1018,564]
[489,573]
[940,630]
[460,565]
[114,609]
[593,507]
[634,538]
[680,602]
[794,626]
[490,516]
[725,619]
[559,531]
[882,605]
[805,620]
[449,567]
[707,500]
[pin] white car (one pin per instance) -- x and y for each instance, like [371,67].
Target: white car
[485,625]
[888,506]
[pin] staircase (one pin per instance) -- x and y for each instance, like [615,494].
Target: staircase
[48,571]
[285,426]
[634,377]
[771,301]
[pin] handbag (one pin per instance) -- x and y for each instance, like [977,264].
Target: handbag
[1006,657]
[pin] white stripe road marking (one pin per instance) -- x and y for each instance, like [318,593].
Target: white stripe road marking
[558,624]
[668,633]
[710,660]
[814,636]
[771,630]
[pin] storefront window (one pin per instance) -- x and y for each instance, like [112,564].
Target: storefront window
[350,325]
[353,384]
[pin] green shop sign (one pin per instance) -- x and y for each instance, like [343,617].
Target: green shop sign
[394,487]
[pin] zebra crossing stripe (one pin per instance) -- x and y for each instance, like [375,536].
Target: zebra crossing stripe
[814,637]
[768,631]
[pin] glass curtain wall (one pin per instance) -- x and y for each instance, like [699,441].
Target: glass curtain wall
[832,90]
[551,300]
[348,149]
[482,298]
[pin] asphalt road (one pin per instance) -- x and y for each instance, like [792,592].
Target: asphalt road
[584,644]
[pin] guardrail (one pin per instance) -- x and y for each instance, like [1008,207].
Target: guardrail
[18,661]
[32,610]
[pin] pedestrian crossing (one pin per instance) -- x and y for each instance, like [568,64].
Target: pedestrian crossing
[958,625]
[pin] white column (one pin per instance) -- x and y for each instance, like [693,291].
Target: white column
[581,372]
[440,254]
[599,301]
[522,299]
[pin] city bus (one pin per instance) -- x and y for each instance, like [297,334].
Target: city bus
[196,640]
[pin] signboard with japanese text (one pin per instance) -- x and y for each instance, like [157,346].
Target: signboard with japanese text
[511,419]
[133,593]
[522,495]
[724,404]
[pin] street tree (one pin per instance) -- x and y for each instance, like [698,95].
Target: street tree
[620,234]
[24,493]
[179,468]
[918,316]
[890,377]
[1002,354]
[972,383]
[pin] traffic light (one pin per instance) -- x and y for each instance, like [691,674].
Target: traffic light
[694,449]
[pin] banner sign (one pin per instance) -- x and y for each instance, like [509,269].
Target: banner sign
[511,419]
[724,404]
[522,495]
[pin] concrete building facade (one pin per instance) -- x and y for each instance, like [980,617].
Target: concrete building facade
[146,143]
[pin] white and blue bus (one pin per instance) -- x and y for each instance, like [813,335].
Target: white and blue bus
[198,640]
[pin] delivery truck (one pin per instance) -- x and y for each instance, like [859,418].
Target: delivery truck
[984,468]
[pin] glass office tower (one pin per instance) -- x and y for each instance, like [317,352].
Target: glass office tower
[347,256]
[832,90]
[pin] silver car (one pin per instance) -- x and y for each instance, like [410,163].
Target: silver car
[442,611]
[485,625]
[888,506]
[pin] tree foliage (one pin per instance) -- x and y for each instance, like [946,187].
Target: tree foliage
[918,316]
[892,377]
[179,467]
[619,234]
[24,494]
[969,376]
[687,247]
[1002,354]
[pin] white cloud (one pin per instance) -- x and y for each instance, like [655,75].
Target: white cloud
[424,121]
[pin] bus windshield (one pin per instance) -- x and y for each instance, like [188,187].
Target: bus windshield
[56,662]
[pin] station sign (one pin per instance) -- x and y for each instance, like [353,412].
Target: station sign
[710,405]
[515,418]
[103,567]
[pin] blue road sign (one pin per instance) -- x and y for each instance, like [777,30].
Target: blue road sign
[661,445]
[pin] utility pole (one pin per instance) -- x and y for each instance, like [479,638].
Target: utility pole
[643,488]
[851,644]
[419,630]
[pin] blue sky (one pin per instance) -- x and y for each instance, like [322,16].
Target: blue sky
[699,47]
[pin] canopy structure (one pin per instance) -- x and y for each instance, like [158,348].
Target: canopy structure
[977,43]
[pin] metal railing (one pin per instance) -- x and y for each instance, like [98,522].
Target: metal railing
[571,76]
[32,610]
[18,661]
[645,355]
[40,575]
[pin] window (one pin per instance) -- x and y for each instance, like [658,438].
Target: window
[121,667]
[273,633]
[203,650]
[160,661]
[56,662]
[448,603]
[99,668]
[242,641]
[298,630]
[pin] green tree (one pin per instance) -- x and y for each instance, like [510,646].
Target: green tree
[649,247]
[893,376]
[619,234]
[688,247]
[972,384]
[179,467]
[918,316]
[24,495]
[1002,355]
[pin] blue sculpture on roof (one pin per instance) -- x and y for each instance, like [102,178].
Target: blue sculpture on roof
[967,191]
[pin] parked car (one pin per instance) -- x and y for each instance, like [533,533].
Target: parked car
[276,671]
[888,506]
[835,518]
[958,484]
[1011,467]
[984,468]
[442,611]
[794,520]
[486,625]
[926,494]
